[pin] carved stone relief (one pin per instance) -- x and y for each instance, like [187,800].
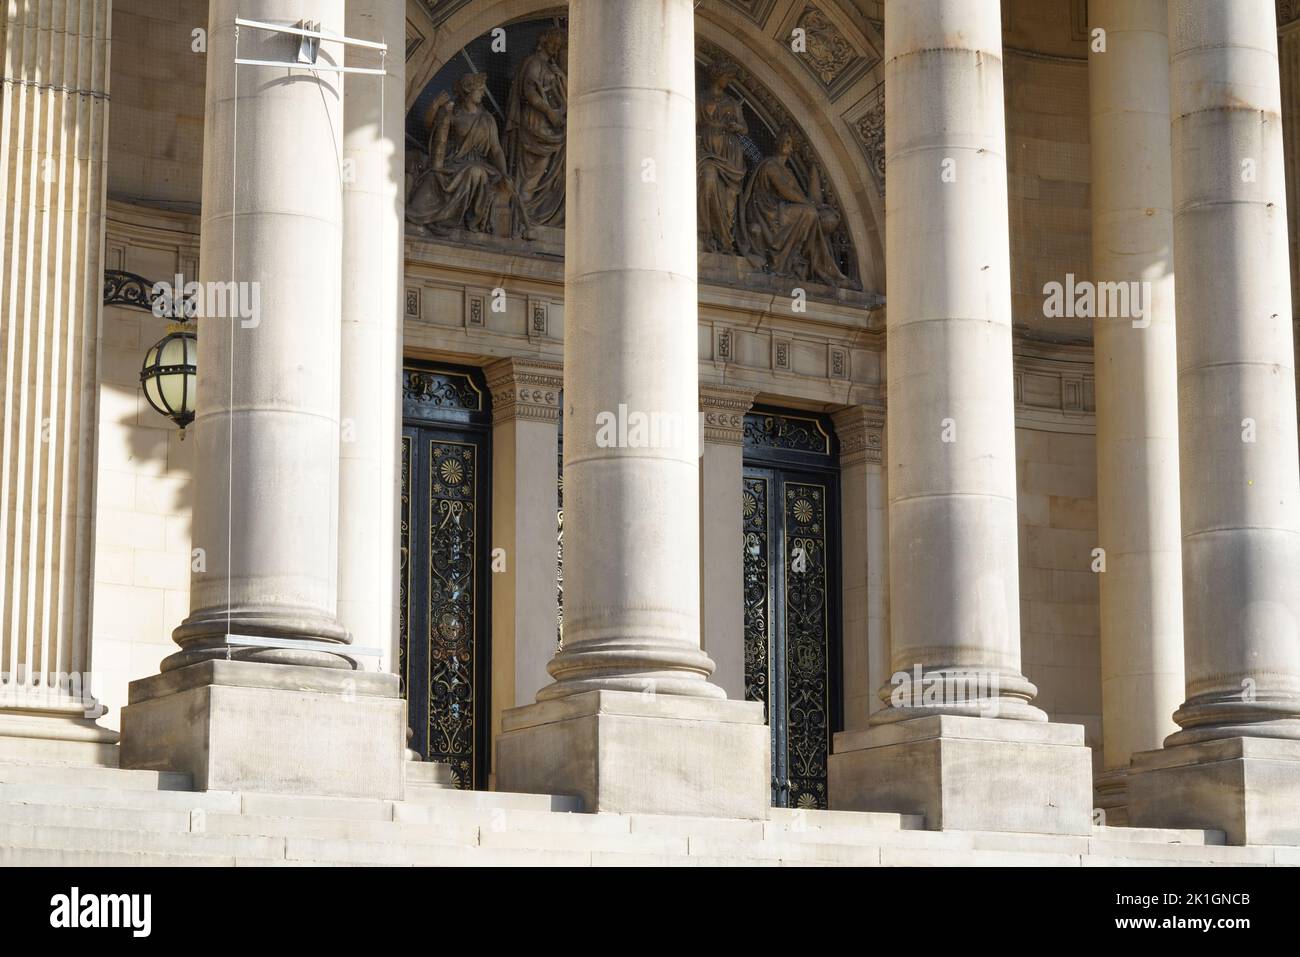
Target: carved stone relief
[870,131]
[482,166]
[828,54]
[463,180]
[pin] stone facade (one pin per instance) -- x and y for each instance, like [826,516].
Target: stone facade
[975,556]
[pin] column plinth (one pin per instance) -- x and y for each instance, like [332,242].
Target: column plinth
[960,740]
[632,674]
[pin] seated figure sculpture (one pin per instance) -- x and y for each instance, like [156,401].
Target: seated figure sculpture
[465,177]
[787,229]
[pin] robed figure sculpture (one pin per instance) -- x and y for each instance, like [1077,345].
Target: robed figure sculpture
[536,118]
[465,178]
[786,226]
[719,161]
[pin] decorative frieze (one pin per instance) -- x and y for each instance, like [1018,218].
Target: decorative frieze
[861,431]
[781,355]
[837,366]
[723,409]
[525,389]
[539,322]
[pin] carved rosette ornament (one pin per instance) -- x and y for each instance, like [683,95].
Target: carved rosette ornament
[724,409]
[861,431]
[525,389]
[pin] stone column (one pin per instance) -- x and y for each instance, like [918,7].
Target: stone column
[257,697]
[525,420]
[1288,51]
[53,141]
[1137,388]
[954,602]
[722,599]
[267,422]
[864,515]
[374,150]
[1235,765]
[632,657]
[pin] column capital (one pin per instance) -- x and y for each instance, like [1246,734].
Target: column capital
[861,431]
[525,389]
[724,408]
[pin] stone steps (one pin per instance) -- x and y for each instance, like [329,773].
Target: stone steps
[81,816]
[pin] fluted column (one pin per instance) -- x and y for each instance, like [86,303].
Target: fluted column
[1240,487]
[267,425]
[631,505]
[373,186]
[53,139]
[955,595]
[1137,389]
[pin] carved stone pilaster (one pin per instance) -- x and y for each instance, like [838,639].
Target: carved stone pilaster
[723,409]
[525,389]
[861,431]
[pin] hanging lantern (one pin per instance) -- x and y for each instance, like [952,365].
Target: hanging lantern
[169,372]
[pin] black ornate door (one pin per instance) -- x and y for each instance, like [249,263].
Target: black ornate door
[443,605]
[790,516]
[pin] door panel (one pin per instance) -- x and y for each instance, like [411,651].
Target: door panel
[444,577]
[791,594]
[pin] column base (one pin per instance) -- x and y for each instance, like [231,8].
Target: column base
[55,738]
[969,774]
[252,726]
[1110,790]
[626,752]
[1249,788]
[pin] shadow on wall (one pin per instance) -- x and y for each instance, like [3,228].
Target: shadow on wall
[142,518]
